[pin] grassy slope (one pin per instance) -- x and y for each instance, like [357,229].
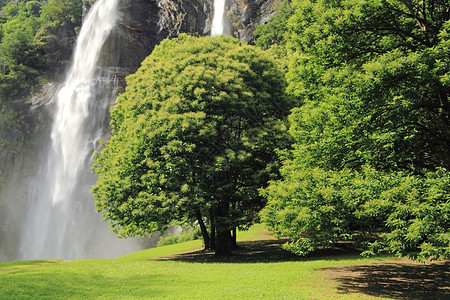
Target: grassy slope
[139,276]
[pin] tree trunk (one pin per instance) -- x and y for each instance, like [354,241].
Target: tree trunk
[212,240]
[234,239]
[205,235]
[223,236]
[223,243]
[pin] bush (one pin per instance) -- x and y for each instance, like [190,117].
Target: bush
[407,215]
[185,236]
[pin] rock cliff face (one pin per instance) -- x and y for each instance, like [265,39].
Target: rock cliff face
[244,15]
[145,23]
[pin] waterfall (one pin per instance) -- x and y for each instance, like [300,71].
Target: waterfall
[219,23]
[62,222]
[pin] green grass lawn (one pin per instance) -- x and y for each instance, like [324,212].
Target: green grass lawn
[15,265]
[139,275]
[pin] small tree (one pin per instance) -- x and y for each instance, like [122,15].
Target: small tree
[193,139]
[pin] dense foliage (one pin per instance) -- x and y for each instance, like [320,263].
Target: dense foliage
[274,30]
[374,128]
[374,76]
[396,212]
[271,36]
[193,140]
[34,41]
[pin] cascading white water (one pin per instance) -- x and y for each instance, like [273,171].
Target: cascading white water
[63,222]
[218,23]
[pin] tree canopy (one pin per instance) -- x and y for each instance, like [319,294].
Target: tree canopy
[372,138]
[372,74]
[193,139]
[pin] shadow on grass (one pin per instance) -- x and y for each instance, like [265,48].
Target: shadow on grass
[262,251]
[400,279]
[403,279]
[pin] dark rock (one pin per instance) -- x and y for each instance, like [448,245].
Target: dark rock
[145,23]
[244,15]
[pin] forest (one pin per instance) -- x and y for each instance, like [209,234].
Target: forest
[333,125]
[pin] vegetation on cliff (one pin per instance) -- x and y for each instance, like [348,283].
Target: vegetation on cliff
[36,39]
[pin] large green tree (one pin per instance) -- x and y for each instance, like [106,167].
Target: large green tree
[193,139]
[373,77]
